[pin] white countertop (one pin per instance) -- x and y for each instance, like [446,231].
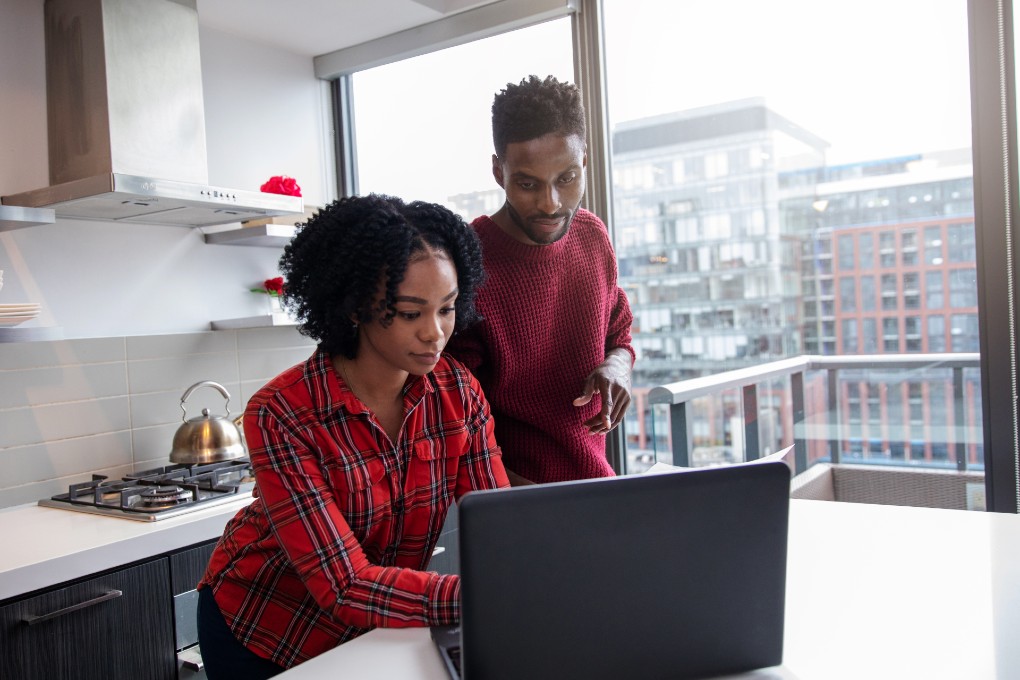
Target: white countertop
[47,546]
[878,592]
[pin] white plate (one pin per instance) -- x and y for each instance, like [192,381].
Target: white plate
[19,307]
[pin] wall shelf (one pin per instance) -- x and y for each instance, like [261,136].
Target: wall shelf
[264,235]
[36,334]
[263,321]
[17,217]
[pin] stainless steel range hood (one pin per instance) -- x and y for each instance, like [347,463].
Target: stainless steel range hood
[126,119]
[130,198]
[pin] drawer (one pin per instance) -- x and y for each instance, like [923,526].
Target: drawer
[188,566]
[118,625]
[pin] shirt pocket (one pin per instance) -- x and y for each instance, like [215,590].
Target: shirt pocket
[358,488]
[436,461]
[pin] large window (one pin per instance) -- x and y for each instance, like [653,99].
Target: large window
[423,125]
[854,169]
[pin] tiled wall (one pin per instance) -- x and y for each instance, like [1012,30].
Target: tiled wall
[111,406]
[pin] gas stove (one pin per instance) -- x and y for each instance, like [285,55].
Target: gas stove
[160,493]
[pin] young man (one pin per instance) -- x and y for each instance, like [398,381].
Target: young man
[552,351]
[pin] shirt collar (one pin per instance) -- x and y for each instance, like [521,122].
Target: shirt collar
[334,392]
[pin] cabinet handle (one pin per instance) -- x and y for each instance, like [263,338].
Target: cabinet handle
[32,619]
[191,658]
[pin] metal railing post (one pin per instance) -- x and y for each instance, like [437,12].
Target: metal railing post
[680,434]
[799,441]
[959,446]
[752,439]
[834,434]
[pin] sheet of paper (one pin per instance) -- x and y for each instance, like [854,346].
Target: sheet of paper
[781,456]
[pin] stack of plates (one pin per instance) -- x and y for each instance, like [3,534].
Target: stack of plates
[13,314]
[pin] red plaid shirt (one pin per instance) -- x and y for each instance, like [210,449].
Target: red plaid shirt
[344,521]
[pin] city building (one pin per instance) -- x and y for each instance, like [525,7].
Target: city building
[738,245]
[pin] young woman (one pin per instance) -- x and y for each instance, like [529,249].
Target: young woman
[358,452]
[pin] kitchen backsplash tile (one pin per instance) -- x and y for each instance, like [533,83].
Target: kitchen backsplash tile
[110,406]
[80,455]
[25,355]
[178,345]
[177,373]
[151,445]
[248,390]
[50,422]
[62,384]
[272,338]
[263,364]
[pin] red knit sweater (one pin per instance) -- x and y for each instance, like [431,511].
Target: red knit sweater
[550,315]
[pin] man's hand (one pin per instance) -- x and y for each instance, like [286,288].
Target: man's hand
[611,379]
[516,479]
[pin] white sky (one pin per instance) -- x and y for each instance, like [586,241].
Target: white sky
[874,78]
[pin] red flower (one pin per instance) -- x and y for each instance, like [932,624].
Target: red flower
[281,184]
[274,286]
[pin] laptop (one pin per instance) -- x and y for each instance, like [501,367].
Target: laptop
[674,575]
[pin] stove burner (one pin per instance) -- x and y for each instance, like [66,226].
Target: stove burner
[163,496]
[155,494]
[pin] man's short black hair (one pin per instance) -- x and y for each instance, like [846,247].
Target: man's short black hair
[336,262]
[535,108]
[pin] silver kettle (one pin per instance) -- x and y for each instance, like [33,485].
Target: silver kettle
[206,438]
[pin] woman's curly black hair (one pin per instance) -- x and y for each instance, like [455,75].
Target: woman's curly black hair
[336,262]
[535,108]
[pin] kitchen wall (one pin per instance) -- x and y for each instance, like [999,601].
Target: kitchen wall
[132,304]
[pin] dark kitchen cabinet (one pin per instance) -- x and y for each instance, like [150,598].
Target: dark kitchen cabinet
[188,566]
[447,561]
[117,625]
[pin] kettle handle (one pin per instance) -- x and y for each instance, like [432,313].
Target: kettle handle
[205,383]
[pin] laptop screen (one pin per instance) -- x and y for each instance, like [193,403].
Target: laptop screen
[679,574]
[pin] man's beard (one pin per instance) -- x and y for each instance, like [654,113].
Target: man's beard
[536,236]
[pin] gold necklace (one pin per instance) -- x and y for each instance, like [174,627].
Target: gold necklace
[343,370]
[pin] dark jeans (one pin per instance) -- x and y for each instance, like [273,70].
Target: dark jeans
[223,655]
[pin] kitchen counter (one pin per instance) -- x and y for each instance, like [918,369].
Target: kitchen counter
[872,591]
[48,546]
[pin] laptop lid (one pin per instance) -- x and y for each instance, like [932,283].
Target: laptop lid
[678,575]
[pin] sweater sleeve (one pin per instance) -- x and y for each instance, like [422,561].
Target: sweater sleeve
[620,321]
[620,316]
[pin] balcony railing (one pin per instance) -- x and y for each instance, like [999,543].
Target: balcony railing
[680,395]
